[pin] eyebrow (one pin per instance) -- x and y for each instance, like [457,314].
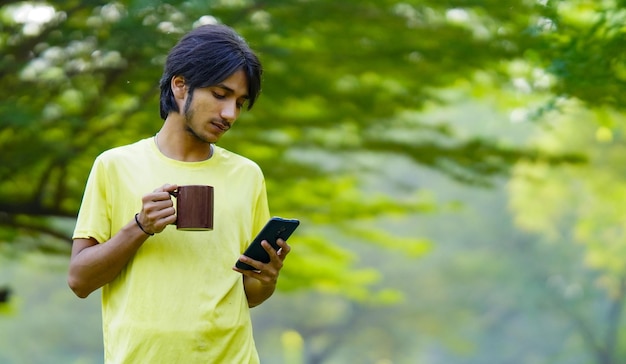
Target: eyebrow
[230,90]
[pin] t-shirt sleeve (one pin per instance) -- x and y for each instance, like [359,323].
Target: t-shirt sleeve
[94,215]
[261,213]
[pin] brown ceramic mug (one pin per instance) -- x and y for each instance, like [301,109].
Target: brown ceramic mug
[194,207]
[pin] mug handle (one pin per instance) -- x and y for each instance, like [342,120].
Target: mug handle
[174,194]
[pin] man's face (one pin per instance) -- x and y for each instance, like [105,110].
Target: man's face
[213,110]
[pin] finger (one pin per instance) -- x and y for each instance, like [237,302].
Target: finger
[155,196]
[276,262]
[256,274]
[158,208]
[157,220]
[257,265]
[267,246]
[163,222]
[167,188]
[284,248]
[265,275]
[270,250]
[170,188]
[157,205]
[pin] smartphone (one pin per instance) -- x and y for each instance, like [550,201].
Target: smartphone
[276,228]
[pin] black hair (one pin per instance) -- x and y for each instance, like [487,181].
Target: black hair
[206,56]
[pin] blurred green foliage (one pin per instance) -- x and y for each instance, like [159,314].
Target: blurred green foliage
[343,81]
[353,105]
[583,205]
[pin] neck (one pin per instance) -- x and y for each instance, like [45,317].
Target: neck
[180,148]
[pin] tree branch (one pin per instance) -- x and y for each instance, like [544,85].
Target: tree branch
[11,222]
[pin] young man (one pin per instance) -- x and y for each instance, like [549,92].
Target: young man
[171,296]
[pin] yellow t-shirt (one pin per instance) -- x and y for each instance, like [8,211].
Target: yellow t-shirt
[177,300]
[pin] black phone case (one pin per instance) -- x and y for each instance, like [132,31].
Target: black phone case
[275,228]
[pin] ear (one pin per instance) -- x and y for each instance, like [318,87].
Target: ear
[179,87]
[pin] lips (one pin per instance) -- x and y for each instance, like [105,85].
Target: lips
[221,126]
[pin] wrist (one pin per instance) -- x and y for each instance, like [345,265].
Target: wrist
[140,226]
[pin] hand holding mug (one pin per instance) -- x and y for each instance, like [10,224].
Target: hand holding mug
[157,209]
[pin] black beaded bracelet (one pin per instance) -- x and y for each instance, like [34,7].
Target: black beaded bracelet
[141,227]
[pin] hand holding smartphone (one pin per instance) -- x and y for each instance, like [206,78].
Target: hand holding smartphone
[276,228]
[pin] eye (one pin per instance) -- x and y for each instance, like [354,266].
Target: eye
[218,96]
[241,104]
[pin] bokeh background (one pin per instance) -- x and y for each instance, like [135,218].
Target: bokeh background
[458,168]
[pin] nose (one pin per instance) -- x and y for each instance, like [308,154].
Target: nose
[229,111]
